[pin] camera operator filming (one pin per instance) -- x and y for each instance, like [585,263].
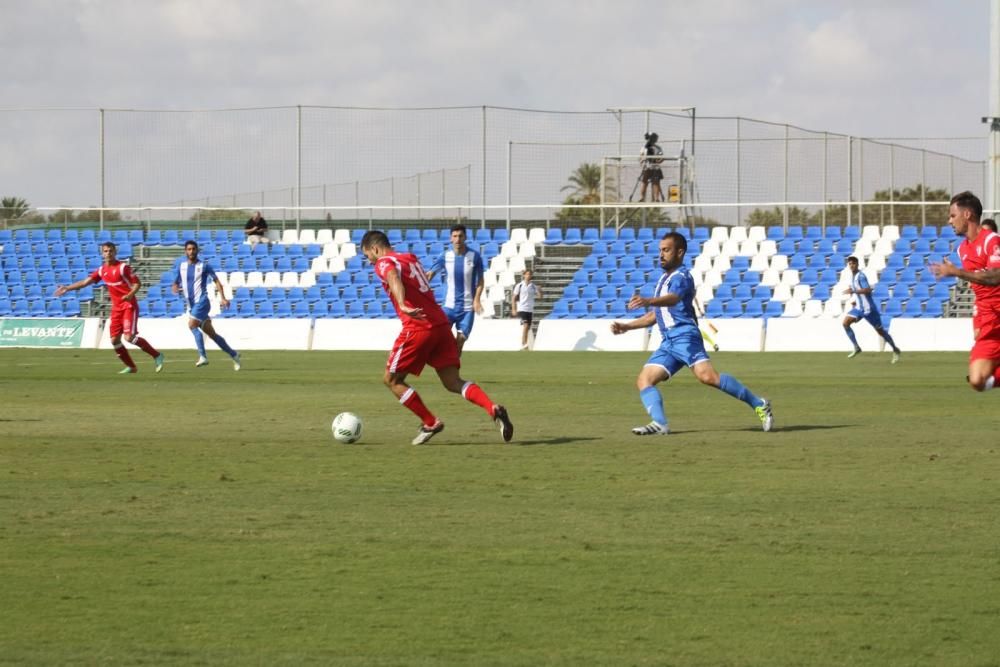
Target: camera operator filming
[650,161]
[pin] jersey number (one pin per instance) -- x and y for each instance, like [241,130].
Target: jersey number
[417,273]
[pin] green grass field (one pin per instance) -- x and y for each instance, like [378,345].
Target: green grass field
[202,516]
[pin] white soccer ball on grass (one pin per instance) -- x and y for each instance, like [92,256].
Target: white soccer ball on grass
[347,428]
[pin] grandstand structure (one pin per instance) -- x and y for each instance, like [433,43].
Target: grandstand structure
[755,272]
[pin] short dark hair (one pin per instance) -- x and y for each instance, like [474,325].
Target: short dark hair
[459,227]
[191,242]
[851,258]
[969,202]
[990,224]
[680,241]
[375,238]
[109,244]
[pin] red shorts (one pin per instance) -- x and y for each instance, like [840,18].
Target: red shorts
[124,320]
[987,345]
[416,348]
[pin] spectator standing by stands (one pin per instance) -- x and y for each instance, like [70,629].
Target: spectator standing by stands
[522,304]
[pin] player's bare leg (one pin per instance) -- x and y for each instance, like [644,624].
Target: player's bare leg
[460,341]
[982,374]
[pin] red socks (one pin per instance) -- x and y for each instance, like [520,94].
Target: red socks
[472,393]
[124,355]
[144,345]
[411,401]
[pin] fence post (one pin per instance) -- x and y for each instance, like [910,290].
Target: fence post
[892,184]
[509,148]
[298,167]
[482,220]
[739,194]
[826,136]
[850,178]
[785,196]
[100,144]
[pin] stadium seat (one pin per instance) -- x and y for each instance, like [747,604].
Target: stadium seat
[774,309]
[553,236]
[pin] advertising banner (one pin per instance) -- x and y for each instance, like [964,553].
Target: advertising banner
[36,332]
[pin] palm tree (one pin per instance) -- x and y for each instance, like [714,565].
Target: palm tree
[13,207]
[585,184]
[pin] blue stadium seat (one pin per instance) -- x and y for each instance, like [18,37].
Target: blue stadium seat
[845,246]
[395,236]
[599,309]
[627,262]
[929,232]
[713,308]
[775,233]
[794,233]
[894,308]
[282,308]
[880,292]
[787,247]
[914,308]
[762,292]
[335,308]
[822,292]
[941,291]
[572,236]
[429,235]
[700,234]
[833,233]
[809,276]
[733,308]
[941,246]
[411,235]
[852,233]
[578,309]
[5,305]
[36,308]
[301,308]
[908,232]
[814,232]
[922,245]
[742,292]
[723,292]
[70,307]
[553,236]
[753,308]
[608,292]
[559,310]
[774,309]
[934,307]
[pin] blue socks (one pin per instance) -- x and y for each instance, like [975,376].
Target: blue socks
[850,334]
[888,339]
[735,388]
[223,345]
[653,402]
[199,341]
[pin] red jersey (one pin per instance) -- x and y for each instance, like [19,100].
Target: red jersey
[978,255]
[418,291]
[118,278]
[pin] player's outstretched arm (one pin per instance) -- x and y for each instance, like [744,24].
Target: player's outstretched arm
[80,284]
[646,320]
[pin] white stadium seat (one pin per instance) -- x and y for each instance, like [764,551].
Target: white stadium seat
[519,235]
[272,279]
[290,237]
[324,236]
[757,233]
[342,236]
[307,236]
[738,234]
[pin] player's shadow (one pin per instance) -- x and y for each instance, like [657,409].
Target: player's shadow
[564,440]
[586,342]
[792,428]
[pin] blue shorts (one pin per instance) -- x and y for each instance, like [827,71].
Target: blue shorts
[200,310]
[462,319]
[873,318]
[673,355]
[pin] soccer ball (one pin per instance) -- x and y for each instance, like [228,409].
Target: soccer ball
[347,428]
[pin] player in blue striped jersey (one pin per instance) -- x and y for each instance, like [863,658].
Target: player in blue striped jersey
[191,281]
[672,310]
[864,308]
[463,275]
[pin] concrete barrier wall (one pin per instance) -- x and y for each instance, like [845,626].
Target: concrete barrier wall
[733,335]
[586,335]
[241,334]
[736,335]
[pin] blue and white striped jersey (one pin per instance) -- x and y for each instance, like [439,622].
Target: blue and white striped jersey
[680,318]
[193,279]
[862,302]
[462,274]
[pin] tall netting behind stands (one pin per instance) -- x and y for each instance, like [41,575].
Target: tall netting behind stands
[199,158]
[384,161]
[46,146]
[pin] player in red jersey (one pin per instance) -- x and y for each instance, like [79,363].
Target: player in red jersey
[122,286]
[425,339]
[980,255]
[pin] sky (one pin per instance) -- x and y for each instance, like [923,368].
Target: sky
[875,68]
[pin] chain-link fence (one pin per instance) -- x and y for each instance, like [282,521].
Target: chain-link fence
[507,166]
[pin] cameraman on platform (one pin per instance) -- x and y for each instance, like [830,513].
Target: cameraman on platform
[650,161]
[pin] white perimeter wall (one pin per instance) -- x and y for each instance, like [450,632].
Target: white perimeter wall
[734,335]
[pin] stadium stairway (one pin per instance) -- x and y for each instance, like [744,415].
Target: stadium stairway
[554,270]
